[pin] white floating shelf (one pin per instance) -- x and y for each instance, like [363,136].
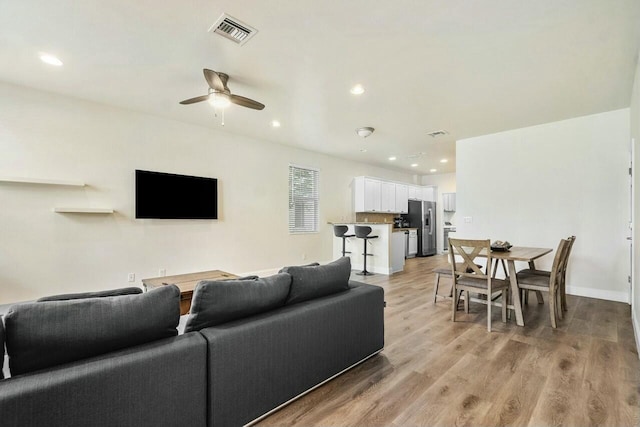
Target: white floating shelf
[42,181]
[84,210]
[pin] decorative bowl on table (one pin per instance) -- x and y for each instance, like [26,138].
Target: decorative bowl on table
[500,246]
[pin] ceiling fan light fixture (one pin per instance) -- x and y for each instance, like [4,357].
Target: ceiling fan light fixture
[364,131]
[219,100]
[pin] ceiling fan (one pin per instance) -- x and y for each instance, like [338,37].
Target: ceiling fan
[219,94]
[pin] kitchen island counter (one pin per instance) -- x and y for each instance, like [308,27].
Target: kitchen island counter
[382,248]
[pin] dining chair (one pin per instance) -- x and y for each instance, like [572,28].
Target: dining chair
[563,279]
[468,277]
[446,271]
[535,280]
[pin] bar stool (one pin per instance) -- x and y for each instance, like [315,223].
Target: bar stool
[339,231]
[362,232]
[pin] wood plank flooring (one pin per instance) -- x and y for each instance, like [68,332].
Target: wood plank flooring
[434,372]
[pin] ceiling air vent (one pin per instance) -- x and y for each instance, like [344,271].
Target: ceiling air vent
[437,133]
[233,29]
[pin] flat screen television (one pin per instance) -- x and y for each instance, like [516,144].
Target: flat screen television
[168,196]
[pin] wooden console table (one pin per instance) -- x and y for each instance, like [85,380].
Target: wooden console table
[186,283]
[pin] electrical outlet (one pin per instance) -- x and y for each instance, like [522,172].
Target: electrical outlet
[162,272]
[468,219]
[131,277]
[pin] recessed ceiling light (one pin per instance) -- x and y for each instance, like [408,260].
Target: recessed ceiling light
[357,90]
[444,161]
[414,165]
[275,124]
[392,158]
[363,150]
[50,59]
[433,170]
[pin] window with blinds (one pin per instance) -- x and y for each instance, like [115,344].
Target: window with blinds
[303,200]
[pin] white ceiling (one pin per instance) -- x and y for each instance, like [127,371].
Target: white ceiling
[470,67]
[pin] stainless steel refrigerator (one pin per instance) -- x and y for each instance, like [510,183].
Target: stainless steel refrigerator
[422,215]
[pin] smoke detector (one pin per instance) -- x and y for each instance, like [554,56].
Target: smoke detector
[437,133]
[233,29]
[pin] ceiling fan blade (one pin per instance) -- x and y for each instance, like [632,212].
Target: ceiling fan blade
[214,80]
[194,100]
[246,102]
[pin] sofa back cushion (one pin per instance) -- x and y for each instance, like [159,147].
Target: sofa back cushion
[41,335]
[217,302]
[314,281]
[99,294]
[1,348]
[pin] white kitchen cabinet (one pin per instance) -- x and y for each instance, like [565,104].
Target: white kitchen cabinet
[412,245]
[402,198]
[387,197]
[427,194]
[378,195]
[367,194]
[449,202]
[413,192]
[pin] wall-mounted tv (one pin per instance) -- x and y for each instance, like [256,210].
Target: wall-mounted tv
[169,196]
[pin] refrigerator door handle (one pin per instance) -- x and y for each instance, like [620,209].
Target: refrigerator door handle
[430,221]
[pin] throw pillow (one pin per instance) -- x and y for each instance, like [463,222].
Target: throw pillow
[217,302]
[99,294]
[309,282]
[39,335]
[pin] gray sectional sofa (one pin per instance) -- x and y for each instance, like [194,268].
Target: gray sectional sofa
[249,347]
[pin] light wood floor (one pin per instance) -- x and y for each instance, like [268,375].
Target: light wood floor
[434,372]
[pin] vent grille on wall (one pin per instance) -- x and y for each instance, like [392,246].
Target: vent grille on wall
[436,133]
[233,29]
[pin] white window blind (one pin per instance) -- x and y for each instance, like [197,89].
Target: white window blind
[303,200]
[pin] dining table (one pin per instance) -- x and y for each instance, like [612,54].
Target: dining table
[517,253]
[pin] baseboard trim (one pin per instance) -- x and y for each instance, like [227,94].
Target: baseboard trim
[598,293]
[261,417]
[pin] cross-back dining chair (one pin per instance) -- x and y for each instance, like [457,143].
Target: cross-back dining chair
[469,277]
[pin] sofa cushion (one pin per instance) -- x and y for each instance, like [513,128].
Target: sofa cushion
[40,335]
[216,302]
[309,282]
[99,294]
[1,348]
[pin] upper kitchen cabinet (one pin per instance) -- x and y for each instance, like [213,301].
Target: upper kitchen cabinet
[402,198]
[449,202]
[387,197]
[412,192]
[426,194]
[367,195]
[378,195]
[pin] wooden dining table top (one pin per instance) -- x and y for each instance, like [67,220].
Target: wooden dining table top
[518,253]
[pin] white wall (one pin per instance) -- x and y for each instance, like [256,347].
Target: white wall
[536,185]
[43,135]
[444,183]
[635,134]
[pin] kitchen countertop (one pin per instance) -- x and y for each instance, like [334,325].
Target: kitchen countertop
[361,223]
